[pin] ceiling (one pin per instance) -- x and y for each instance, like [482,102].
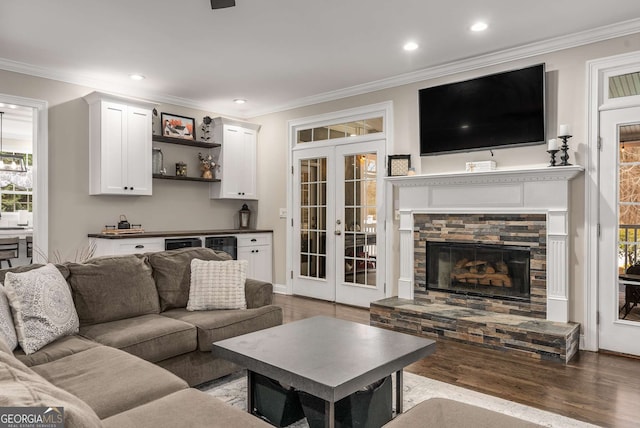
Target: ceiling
[280,54]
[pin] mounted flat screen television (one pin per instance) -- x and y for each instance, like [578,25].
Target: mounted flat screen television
[495,111]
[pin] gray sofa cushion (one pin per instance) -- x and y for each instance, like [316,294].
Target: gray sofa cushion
[21,387]
[217,325]
[113,288]
[188,408]
[172,273]
[110,381]
[150,337]
[444,413]
[62,347]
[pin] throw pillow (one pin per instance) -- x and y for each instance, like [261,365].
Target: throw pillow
[42,307]
[217,285]
[7,329]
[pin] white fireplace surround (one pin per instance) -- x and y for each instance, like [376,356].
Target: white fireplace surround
[529,190]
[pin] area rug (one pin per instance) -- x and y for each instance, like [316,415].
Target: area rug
[232,389]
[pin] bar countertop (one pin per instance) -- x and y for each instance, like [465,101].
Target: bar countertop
[169,234]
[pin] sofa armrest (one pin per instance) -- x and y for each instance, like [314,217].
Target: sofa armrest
[258,293]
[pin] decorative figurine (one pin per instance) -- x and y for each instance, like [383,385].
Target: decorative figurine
[206,165]
[206,128]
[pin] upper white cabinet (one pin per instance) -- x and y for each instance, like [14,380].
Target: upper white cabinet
[119,145]
[236,159]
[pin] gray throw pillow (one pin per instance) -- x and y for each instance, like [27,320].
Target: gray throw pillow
[42,307]
[7,329]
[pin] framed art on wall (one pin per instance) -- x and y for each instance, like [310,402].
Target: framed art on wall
[399,165]
[178,126]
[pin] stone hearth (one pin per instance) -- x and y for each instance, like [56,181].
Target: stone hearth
[519,335]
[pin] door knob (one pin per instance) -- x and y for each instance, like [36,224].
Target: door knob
[338,232]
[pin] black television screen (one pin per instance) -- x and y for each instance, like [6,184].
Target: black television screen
[499,110]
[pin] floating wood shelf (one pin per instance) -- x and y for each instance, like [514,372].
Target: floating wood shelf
[184,142]
[178,178]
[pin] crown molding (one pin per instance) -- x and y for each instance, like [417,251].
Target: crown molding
[468,64]
[495,58]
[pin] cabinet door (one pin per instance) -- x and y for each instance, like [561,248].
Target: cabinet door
[261,263]
[237,164]
[138,154]
[247,162]
[113,136]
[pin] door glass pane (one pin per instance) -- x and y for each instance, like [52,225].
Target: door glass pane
[313,214]
[629,223]
[360,219]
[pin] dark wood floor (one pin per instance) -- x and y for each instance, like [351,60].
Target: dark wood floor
[598,388]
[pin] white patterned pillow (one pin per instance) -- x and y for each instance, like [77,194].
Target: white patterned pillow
[217,285]
[7,329]
[42,306]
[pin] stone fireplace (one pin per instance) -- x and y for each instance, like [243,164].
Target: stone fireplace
[538,196]
[483,259]
[493,261]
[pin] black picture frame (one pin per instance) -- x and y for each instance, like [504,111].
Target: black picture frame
[398,165]
[176,126]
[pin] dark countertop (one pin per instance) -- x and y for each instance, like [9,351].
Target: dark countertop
[169,234]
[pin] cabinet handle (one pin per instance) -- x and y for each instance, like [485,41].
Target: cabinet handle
[139,246]
[126,188]
[131,187]
[253,240]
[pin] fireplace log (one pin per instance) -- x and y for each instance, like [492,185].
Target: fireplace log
[496,279]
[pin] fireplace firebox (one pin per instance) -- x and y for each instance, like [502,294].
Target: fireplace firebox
[495,271]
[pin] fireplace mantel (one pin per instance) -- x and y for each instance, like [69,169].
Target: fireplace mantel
[537,189]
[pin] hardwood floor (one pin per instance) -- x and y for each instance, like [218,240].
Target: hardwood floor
[598,388]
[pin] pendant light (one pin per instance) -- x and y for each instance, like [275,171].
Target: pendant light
[11,163]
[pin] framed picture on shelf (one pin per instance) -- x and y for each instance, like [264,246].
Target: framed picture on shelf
[399,165]
[178,126]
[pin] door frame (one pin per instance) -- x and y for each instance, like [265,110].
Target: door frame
[385,110]
[41,172]
[597,87]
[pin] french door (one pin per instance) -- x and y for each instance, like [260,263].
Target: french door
[338,222]
[619,249]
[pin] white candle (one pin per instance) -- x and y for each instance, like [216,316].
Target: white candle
[564,130]
[553,144]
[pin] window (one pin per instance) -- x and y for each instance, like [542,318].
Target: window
[16,189]
[341,130]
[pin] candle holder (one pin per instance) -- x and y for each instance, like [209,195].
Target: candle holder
[564,148]
[553,157]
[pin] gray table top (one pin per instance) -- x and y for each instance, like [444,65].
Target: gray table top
[326,357]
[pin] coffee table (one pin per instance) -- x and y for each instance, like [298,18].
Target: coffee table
[325,357]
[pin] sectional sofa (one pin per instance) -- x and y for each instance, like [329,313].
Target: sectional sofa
[138,349]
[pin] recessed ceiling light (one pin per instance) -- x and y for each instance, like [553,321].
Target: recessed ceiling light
[410,46]
[479,26]
[239,101]
[136,76]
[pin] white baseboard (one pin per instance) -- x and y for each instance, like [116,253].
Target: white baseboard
[280,289]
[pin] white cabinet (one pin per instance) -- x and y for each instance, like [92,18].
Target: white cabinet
[256,248]
[236,159]
[119,145]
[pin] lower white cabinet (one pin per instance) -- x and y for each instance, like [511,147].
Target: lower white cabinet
[256,248]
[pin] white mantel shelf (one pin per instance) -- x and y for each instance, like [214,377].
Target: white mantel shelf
[531,173]
[533,189]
